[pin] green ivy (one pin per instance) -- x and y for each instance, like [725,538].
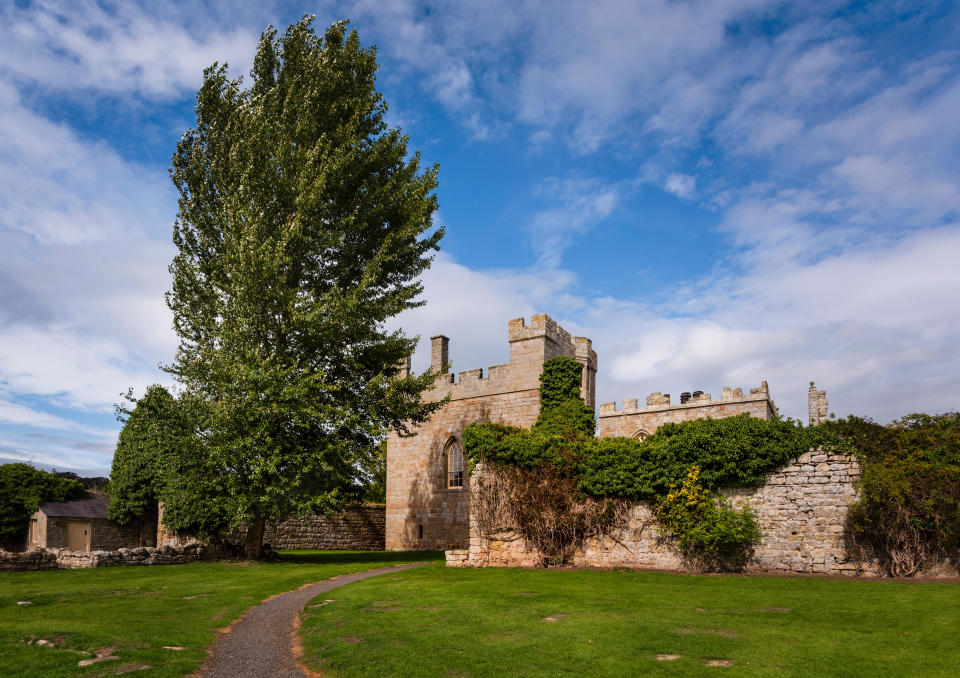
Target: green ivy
[559,382]
[738,450]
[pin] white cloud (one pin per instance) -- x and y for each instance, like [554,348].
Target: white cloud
[20,415]
[680,185]
[844,172]
[876,326]
[84,246]
[575,205]
[119,50]
[472,308]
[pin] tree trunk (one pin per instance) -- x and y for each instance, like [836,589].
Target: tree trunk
[253,546]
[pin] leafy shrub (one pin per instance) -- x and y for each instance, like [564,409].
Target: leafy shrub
[710,534]
[907,517]
[22,489]
[151,435]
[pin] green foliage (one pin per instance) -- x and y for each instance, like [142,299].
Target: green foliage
[152,434]
[304,224]
[736,450]
[376,468]
[710,533]
[96,483]
[559,382]
[907,517]
[159,458]
[22,489]
[561,437]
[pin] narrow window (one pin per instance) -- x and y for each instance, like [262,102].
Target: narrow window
[454,456]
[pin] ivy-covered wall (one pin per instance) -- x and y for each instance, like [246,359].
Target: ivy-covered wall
[800,509]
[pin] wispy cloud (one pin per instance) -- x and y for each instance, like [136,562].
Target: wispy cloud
[121,49]
[574,206]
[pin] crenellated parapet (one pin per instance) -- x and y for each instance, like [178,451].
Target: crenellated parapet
[530,346]
[639,422]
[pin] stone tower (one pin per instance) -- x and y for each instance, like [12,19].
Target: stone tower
[817,405]
[427,502]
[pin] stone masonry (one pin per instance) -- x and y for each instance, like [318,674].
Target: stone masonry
[800,510]
[639,422]
[65,559]
[817,405]
[356,528]
[422,511]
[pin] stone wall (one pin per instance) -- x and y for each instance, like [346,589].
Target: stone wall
[800,509]
[422,511]
[639,422]
[54,559]
[357,528]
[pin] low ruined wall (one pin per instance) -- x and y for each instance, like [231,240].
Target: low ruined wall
[54,559]
[800,510]
[356,528]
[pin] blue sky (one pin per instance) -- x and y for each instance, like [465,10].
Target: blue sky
[717,193]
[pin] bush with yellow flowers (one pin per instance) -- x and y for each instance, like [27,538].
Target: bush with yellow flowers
[710,533]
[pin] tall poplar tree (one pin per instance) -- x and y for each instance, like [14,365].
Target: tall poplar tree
[303,225]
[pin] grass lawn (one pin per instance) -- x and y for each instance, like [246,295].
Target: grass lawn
[434,621]
[138,610]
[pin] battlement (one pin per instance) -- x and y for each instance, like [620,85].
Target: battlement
[541,325]
[530,346]
[658,402]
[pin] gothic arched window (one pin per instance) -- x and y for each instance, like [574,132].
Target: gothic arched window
[453,454]
[641,435]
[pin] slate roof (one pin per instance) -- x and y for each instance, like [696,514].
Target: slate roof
[94,506]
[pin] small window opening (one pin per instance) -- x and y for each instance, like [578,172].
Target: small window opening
[454,457]
[419,531]
[641,435]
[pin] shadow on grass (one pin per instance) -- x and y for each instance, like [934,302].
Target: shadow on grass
[344,557]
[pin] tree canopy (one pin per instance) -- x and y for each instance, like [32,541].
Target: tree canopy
[303,226]
[149,438]
[22,489]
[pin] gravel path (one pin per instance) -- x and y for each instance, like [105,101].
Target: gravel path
[260,644]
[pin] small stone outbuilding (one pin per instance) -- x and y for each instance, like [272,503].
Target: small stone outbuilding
[82,525]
